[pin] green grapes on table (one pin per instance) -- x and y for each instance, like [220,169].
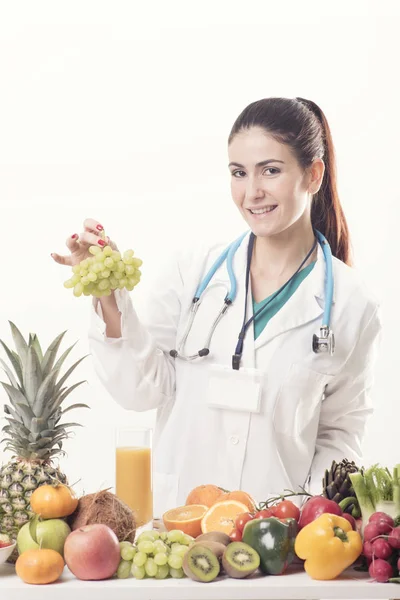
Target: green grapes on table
[155,555]
[105,271]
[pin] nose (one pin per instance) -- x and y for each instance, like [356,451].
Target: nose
[253,189]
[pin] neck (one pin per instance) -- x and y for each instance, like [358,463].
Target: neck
[277,255]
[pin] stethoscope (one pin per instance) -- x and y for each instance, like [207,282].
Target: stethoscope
[325,342]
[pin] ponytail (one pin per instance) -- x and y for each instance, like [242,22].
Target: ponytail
[326,211]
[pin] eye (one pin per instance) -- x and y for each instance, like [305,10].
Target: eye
[272,169]
[236,174]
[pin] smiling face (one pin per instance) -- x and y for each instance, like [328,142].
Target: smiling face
[269,187]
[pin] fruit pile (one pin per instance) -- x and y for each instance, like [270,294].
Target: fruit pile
[154,554]
[105,271]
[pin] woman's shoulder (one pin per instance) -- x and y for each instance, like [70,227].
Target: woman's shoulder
[353,291]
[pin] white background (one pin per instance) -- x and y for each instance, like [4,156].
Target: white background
[121,111]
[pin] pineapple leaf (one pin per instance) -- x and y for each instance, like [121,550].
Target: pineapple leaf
[43,453]
[13,423]
[62,358]
[46,390]
[15,363]
[32,376]
[64,425]
[68,373]
[10,411]
[26,414]
[60,399]
[74,406]
[34,342]
[36,424]
[51,353]
[47,433]
[20,343]
[69,390]
[56,452]
[9,373]
[15,396]
[44,442]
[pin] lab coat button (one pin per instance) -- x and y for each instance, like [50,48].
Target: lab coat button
[234,439]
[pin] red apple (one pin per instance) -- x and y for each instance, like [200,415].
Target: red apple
[92,552]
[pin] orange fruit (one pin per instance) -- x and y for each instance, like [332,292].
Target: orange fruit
[243,497]
[222,516]
[205,494]
[185,518]
[39,566]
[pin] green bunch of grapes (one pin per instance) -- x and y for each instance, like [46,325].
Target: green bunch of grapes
[106,270]
[154,554]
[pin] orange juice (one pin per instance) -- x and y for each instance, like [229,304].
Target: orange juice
[133,481]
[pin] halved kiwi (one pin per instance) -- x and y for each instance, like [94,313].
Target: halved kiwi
[214,536]
[201,564]
[240,560]
[215,547]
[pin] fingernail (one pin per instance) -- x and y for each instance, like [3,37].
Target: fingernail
[101,242]
[74,236]
[99,227]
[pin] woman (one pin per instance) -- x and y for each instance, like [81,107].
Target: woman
[276,414]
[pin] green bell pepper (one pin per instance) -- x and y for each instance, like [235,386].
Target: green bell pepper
[273,539]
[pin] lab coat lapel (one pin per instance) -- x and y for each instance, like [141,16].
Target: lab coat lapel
[306,304]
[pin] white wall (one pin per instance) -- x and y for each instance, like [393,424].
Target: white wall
[121,112]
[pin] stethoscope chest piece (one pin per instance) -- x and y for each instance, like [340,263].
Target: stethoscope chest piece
[325,342]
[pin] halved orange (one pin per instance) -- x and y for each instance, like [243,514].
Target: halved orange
[243,497]
[222,516]
[185,518]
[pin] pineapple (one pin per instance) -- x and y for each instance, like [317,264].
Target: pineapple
[34,433]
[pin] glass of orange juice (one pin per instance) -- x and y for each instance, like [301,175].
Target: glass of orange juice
[133,472]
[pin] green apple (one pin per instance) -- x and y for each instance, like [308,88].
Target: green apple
[24,540]
[50,533]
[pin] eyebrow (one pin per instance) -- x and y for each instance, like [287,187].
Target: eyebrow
[263,163]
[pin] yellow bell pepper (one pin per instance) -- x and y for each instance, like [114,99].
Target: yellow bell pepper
[328,545]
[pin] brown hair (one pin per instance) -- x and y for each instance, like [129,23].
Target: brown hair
[302,125]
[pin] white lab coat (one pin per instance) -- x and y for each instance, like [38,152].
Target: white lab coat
[313,406]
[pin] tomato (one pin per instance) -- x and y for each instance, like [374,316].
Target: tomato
[287,510]
[264,514]
[236,536]
[241,521]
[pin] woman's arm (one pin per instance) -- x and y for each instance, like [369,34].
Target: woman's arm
[347,405]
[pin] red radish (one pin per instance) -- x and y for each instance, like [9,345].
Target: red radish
[383,527]
[367,549]
[371,531]
[351,520]
[394,538]
[380,570]
[381,548]
[381,516]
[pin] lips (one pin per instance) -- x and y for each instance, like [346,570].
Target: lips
[263,209]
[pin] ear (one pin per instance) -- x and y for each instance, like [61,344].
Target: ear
[316,175]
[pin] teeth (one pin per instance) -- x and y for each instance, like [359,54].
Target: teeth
[260,211]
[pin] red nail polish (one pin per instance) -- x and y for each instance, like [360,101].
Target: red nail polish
[99,227]
[74,236]
[101,242]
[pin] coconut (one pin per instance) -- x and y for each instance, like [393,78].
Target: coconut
[106,508]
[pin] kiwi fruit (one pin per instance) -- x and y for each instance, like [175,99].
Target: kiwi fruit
[201,564]
[215,547]
[240,560]
[214,536]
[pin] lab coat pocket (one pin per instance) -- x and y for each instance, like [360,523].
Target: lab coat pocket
[298,401]
[165,492]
